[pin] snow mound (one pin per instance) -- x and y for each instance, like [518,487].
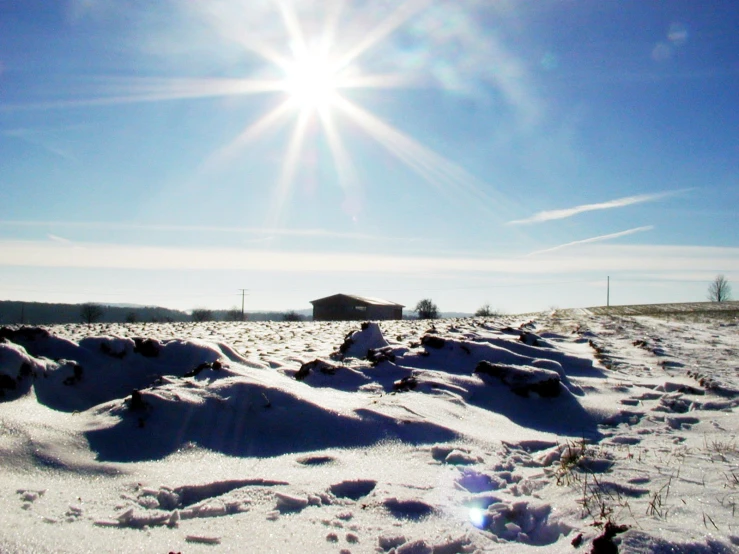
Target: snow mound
[357,344]
[523,380]
[17,370]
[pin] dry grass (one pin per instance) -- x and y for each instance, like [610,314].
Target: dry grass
[704,312]
[720,450]
[602,505]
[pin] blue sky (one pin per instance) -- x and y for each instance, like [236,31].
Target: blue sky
[510,152]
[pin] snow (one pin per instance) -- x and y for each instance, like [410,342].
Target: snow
[503,434]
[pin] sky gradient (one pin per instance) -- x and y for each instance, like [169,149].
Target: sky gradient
[515,153]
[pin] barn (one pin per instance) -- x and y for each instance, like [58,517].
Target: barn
[347,307]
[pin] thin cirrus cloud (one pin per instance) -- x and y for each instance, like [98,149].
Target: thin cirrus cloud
[58,239]
[600,238]
[665,260]
[164,228]
[550,215]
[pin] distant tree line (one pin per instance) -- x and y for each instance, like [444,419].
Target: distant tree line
[202,314]
[292,316]
[41,313]
[234,314]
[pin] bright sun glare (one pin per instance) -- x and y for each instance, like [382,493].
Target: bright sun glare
[315,72]
[311,81]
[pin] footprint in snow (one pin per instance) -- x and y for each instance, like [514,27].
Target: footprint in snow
[475,482]
[628,440]
[316,460]
[353,490]
[408,509]
[454,455]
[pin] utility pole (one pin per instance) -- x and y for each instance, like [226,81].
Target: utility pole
[243,292]
[608,292]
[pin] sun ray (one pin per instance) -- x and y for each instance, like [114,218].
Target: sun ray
[446,176]
[294,30]
[232,28]
[386,81]
[402,14]
[264,50]
[251,133]
[394,141]
[331,24]
[141,88]
[342,161]
[289,168]
[117,91]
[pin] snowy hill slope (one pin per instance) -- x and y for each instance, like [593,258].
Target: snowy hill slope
[566,430]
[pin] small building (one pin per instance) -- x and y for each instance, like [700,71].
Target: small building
[347,307]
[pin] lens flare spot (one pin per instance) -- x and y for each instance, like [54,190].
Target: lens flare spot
[661,52]
[678,34]
[477,517]
[549,61]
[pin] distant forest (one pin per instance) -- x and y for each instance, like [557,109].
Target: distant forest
[14,312]
[39,313]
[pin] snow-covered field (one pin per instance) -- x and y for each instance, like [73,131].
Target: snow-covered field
[563,432]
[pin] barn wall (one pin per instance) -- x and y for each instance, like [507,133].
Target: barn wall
[345,309]
[338,310]
[381,312]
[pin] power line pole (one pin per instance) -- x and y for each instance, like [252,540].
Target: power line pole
[243,292]
[608,292]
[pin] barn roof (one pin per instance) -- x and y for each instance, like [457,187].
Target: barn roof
[364,299]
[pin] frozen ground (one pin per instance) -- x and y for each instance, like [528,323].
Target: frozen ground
[563,432]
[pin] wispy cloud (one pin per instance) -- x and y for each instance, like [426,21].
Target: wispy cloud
[550,215]
[587,260]
[600,238]
[452,49]
[39,138]
[59,240]
[265,232]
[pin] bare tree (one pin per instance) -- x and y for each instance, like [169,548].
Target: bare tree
[719,290]
[90,312]
[201,314]
[486,311]
[426,309]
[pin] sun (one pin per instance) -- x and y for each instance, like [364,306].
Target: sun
[312,81]
[314,65]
